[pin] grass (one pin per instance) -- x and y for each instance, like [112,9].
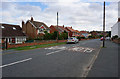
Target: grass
[103,47]
[37,46]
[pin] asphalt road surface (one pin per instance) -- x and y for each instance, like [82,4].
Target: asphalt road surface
[69,60]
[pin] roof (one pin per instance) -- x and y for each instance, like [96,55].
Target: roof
[63,28]
[77,31]
[83,32]
[37,24]
[76,35]
[60,28]
[72,30]
[82,36]
[11,30]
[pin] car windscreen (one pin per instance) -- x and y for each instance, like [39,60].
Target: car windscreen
[70,38]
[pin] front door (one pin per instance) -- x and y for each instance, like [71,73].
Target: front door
[13,40]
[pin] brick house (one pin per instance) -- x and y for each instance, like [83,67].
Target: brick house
[84,34]
[34,29]
[11,34]
[93,33]
[78,33]
[72,32]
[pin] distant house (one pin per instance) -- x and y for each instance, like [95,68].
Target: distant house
[78,34]
[34,29]
[115,30]
[60,29]
[84,34]
[72,32]
[12,34]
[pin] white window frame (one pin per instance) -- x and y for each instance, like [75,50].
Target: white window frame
[2,27]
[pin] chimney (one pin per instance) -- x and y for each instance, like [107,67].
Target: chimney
[118,19]
[63,26]
[23,23]
[31,18]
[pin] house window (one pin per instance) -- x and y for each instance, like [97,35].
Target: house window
[41,30]
[14,28]
[20,40]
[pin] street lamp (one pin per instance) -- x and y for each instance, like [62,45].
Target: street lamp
[104,25]
[57,27]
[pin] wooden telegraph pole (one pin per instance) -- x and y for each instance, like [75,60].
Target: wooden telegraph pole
[57,27]
[104,26]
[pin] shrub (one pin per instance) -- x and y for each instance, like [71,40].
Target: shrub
[79,38]
[115,37]
[89,36]
[63,36]
[82,37]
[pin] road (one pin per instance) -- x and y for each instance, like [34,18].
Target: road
[69,60]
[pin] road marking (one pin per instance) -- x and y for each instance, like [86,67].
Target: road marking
[81,49]
[85,74]
[57,47]
[54,52]
[88,50]
[16,62]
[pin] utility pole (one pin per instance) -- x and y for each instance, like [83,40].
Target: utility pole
[104,26]
[57,27]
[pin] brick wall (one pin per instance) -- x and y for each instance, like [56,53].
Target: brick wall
[31,44]
[52,29]
[116,41]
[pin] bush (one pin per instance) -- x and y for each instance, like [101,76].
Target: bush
[82,37]
[89,36]
[100,36]
[47,36]
[79,38]
[63,36]
[115,37]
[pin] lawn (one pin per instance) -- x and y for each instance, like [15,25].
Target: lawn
[38,46]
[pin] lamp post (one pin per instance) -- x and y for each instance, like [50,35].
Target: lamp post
[57,27]
[104,26]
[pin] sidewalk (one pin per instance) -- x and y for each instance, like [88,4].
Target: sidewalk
[106,64]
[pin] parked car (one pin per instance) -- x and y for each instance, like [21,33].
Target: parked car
[72,40]
[107,38]
[101,38]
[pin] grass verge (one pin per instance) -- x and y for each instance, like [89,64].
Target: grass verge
[38,46]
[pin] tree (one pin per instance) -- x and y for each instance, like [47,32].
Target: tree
[47,36]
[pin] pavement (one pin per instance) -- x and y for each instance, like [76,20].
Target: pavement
[69,60]
[106,64]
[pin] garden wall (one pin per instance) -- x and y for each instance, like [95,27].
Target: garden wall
[31,44]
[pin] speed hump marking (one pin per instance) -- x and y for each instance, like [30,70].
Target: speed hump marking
[74,48]
[81,49]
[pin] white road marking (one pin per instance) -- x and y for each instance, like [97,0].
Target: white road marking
[15,62]
[73,48]
[88,50]
[57,47]
[54,52]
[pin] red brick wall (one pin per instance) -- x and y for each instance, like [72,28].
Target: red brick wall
[31,44]
[70,33]
[116,41]
[52,29]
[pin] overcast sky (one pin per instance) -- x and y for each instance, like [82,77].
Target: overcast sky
[81,15]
